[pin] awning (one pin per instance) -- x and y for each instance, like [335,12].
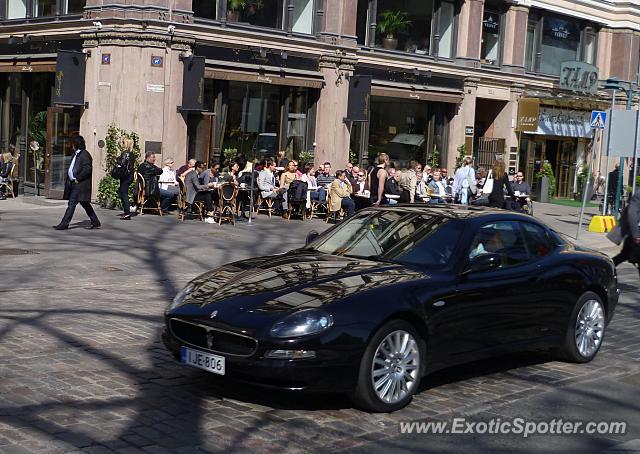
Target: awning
[244,72]
[28,63]
[415,140]
[416,92]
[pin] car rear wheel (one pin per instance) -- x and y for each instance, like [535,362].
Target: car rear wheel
[585,331]
[390,369]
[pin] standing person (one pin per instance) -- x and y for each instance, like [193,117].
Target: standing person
[408,183]
[128,161]
[630,225]
[377,179]
[613,187]
[77,188]
[463,180]
[500,183]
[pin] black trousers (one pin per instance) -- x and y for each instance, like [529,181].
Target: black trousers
[123,192]
[71,208]
[630,252]
[205,196]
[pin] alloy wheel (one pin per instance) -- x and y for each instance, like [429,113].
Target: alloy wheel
[396,367]
[589,328]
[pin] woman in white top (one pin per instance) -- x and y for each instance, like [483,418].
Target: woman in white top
[464,178]
[312,184]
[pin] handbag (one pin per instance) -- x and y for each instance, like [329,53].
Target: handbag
[488,184]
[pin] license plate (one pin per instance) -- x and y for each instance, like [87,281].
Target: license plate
[202,360]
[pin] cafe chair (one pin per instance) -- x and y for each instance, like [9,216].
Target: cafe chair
[8,185]
[184,209]
[144,203]
[227,204]
[265,205]
[335,216]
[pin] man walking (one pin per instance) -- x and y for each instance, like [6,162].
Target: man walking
[630,225]
[77,188]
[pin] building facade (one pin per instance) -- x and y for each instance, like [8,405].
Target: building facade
[447,78]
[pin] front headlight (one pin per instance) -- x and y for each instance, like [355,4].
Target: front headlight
[181,296]
[302,323]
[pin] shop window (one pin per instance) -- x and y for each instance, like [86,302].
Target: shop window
[490,49]
[252,119]
[362,22]
[552,40]
[446,29]
[206,9]
[405,25]
[16,9]
[297,122]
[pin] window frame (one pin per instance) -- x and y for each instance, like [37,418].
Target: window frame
[518,229]
[434,38]
[501,23]
[60,10]
[552,246]
[537,19]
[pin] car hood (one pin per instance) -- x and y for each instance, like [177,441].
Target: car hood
[292,281]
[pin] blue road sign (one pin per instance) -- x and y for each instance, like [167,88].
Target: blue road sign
[598,119]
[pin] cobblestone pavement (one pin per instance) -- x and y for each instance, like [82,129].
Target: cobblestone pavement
[82,367]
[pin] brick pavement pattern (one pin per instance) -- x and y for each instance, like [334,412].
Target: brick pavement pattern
[82,368]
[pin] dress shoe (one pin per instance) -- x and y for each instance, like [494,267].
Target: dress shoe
[60,227]
[125,217]
[93,226]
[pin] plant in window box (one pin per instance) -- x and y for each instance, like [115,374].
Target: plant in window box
[390,24]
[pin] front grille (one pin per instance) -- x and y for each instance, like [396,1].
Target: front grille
[213,339]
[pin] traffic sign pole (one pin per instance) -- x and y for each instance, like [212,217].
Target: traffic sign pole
[585,191]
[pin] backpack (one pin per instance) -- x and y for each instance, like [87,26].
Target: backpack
[121,170]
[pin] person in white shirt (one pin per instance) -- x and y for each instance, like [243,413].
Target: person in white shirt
[464,178]
[168,178]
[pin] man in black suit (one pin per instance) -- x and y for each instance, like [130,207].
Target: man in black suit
[630,225]
[77,188]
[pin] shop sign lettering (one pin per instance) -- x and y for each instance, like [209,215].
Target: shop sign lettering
[579,77]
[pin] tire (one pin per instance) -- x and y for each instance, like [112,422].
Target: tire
[585,331]
[408,364]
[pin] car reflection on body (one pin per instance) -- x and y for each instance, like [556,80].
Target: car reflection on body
[378,301]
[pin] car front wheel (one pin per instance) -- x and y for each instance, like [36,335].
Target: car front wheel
[390,369]
[586,329]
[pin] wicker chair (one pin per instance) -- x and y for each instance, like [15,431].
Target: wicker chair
[142,199]
[184,209]
[265,205]
[333,215]
[228,202]
[8,185]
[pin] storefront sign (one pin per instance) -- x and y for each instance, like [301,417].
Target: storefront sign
[70,74]
[580,77]
[491,23]
[564,122]
[359,98]
[193,84]
[468,130]
[528,114]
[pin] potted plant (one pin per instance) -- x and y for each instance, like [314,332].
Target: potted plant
[389,24]
[233,9]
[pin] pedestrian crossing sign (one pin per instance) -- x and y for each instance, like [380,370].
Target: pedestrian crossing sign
[598,119]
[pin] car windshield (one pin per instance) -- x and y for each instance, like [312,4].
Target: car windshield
[408,238]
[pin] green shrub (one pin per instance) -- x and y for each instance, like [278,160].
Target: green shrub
[547,171]
[108,187]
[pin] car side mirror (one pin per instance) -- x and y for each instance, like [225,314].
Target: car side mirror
[484,262]
[311,236]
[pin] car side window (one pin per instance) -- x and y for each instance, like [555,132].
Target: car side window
[537,240]
[503,238]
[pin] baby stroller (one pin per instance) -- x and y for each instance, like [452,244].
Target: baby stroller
[297,199]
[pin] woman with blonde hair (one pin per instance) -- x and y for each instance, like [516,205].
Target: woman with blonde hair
[500,183]
[127,162]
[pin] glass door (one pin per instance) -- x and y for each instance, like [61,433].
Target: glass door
[565,169]
[62,125]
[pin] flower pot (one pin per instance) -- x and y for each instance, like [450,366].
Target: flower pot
[390,43]
[233,16]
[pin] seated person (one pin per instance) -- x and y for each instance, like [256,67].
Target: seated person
[315,192]
[5,170]
[232,175]
[518,184]
[438,187]
[325,177]
[340,191]
[168,183]
[151,174]
[212,174]
[392,186]
[267,184]
[288,175]
[197,192]
[188,167]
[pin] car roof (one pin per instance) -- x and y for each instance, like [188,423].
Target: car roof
[462,212]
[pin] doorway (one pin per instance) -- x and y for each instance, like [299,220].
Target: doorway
[62,125]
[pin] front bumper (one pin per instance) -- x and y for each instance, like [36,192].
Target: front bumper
[335,369]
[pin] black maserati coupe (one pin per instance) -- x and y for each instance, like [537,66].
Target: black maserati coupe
[375,303]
